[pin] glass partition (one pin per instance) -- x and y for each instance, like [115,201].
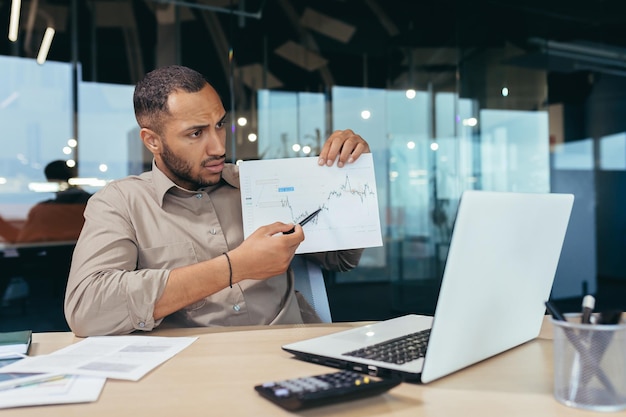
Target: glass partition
[109,145]
[290,124]
[428,147]
[36,118]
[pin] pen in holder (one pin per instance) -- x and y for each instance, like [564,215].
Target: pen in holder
[590,365]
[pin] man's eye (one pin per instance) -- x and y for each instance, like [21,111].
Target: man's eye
[196,134]
[221,124]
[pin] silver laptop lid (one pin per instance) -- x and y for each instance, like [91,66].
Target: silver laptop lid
[499,272]
[500,269]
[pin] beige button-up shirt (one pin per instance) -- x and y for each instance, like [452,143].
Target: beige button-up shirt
[139,228]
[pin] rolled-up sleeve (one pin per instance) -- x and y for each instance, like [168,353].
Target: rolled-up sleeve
[106,293]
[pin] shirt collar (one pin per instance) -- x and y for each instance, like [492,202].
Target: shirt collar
[163,185]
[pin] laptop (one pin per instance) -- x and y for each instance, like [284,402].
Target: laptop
[499,271]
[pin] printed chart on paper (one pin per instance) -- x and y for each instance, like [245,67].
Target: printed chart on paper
[288,190]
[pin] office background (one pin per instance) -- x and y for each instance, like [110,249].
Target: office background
[507,95]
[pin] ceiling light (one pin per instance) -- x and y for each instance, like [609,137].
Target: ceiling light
[470,121]
[14,22]
[45,46]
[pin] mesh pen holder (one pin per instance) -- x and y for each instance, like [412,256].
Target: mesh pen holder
[590,365]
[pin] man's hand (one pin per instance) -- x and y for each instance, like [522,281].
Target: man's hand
[266,252]
[343,143]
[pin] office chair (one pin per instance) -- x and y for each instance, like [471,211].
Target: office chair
[309,281]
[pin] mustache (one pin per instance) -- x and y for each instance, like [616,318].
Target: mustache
[213,159]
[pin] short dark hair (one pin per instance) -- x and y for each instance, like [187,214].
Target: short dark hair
[151,93]
[58,170]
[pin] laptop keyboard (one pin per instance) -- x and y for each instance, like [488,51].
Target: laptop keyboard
[399,350]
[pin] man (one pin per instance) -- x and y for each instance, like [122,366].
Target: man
[169,243]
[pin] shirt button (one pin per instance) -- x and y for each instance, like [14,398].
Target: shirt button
[199,195]
[213,231]
[142,324]
[236,307]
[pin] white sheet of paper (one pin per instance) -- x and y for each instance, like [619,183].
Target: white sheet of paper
[287,190]
[117,357]
[67,390]
[14,380]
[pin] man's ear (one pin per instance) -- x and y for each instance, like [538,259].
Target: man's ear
[151,140]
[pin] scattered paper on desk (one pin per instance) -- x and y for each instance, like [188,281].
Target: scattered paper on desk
[66,390]
[117,357]
[290,189]
[14,380]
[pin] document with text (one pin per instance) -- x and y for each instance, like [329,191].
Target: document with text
[289,190]
[116,357]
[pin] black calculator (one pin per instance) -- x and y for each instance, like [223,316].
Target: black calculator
[312,391]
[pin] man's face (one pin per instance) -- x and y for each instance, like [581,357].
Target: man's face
[192,145]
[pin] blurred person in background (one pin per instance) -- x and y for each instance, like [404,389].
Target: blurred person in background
[58,219]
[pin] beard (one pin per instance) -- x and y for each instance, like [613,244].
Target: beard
[182,169]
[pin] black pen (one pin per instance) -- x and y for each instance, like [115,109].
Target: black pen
[305,220]
[554,311]
[610,317]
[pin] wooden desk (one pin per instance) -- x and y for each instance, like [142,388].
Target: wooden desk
[216,374]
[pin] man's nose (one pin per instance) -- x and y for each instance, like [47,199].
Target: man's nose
[216,144]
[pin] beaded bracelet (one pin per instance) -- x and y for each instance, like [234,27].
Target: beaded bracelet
[230,269]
